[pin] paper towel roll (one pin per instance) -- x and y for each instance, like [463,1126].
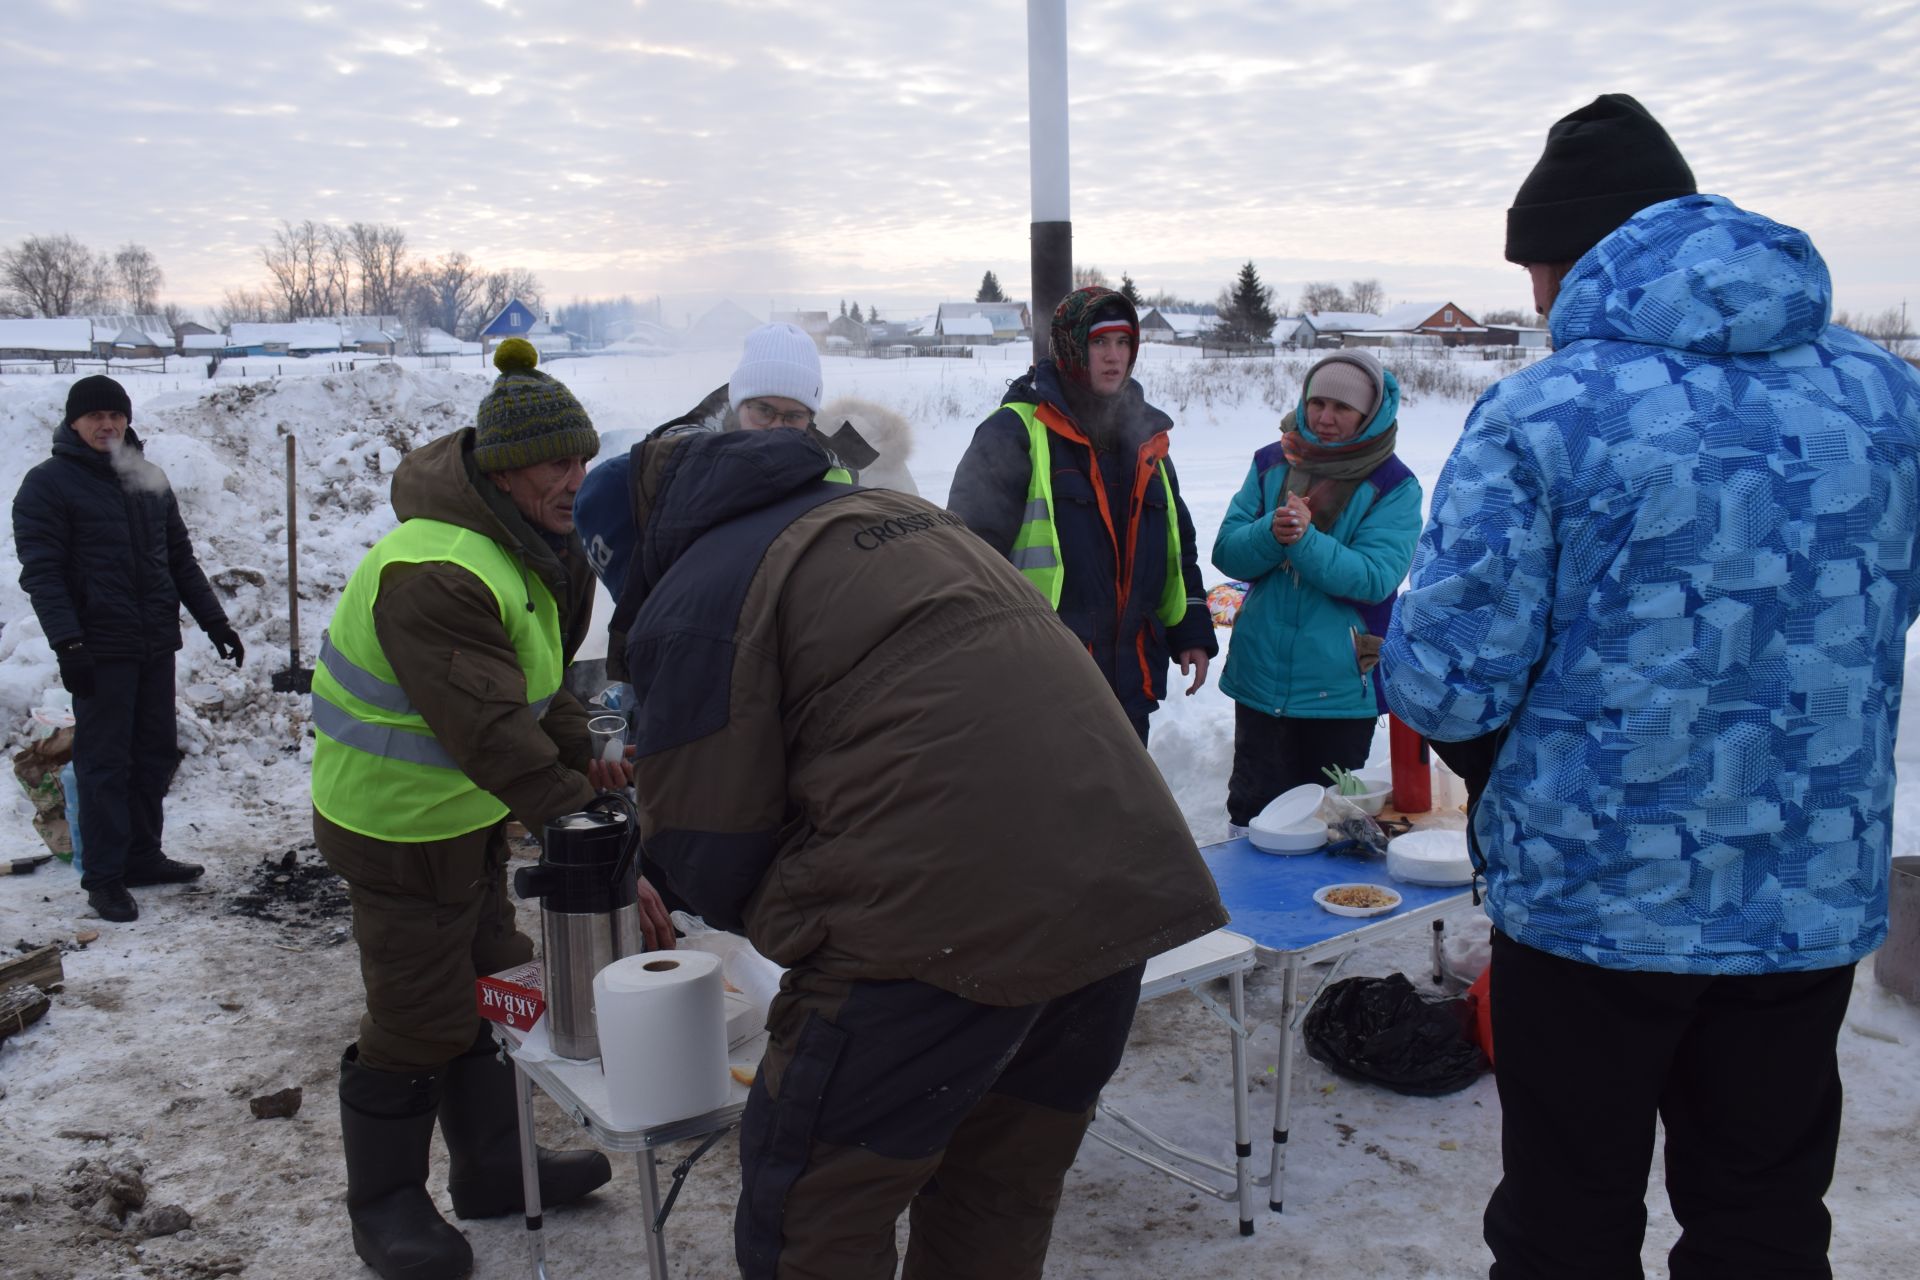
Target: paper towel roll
[663,1036]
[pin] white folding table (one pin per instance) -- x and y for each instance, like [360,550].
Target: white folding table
[581,1091]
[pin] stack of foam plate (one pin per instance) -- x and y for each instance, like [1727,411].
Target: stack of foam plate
[1430,857]
[1291,823]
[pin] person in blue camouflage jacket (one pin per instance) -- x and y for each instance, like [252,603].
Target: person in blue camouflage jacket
[1662,599]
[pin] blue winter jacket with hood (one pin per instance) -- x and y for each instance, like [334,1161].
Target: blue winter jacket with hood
[1294,639]
[1675,562]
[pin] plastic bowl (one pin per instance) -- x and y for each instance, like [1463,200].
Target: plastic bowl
[1370,801]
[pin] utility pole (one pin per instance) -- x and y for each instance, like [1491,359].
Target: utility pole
[1052,229]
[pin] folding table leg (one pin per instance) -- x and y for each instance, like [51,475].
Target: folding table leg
[650,1202]
[1283,1086]
[1242,1134]
[530,1171]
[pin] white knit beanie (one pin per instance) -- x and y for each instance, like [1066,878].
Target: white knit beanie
[778,360]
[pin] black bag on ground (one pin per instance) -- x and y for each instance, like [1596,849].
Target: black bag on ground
[1383,1031]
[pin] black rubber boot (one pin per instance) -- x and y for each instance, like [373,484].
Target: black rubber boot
[481,1125]
[386,1126]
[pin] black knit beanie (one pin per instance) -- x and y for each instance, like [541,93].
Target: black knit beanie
[1603,164]
[92,393]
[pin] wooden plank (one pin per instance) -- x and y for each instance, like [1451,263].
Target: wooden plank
[41,967]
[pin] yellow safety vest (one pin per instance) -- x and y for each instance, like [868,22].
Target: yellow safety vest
[1036,546]
[377,768]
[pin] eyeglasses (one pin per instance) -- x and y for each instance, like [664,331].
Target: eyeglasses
[760,414]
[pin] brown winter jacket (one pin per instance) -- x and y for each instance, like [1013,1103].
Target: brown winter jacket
[866,738]
[439,626]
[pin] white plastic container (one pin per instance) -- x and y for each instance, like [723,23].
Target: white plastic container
[1300,837]
[1431,857]
[1370,801]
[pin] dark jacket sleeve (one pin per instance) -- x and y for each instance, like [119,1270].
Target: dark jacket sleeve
[42,535]
[1195,630]
[440,629]
[990,485]
[566,723]
[188,579]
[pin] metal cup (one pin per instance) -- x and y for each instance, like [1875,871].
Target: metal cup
[609,738]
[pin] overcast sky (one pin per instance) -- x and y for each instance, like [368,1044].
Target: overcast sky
[801,153]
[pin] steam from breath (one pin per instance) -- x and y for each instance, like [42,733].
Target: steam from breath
[137,475]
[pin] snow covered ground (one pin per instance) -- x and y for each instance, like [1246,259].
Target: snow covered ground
[236,987]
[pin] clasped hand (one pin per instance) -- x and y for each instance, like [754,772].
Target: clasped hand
[1290,521]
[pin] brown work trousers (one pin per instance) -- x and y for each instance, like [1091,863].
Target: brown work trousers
[879,1097]
[429,918]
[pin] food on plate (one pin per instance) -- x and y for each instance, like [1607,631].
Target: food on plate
[742,1075]
[1361,895]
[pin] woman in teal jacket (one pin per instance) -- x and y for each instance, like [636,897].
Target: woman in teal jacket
[1322,530]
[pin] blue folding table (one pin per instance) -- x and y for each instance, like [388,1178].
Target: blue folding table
[1270,899]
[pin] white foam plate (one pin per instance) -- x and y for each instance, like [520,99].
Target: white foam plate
[1291,808]
[1302,837]
[1436,858]
[1320,896]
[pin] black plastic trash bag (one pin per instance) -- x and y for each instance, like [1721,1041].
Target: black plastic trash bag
[1385,1032]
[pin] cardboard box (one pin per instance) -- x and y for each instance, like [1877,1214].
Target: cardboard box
[514,996]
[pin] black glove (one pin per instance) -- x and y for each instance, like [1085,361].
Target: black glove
[226,642]
[76,668]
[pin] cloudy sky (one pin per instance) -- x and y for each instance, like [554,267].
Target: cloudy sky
[801,153]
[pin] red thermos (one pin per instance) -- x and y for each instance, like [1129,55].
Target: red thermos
[1412,768]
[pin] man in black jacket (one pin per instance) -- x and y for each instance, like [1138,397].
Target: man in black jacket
[107,563]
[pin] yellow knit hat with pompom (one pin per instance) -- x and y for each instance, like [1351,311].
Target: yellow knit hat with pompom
[529,416]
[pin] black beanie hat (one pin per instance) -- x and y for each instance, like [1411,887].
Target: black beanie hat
[1603,164]
[95,392]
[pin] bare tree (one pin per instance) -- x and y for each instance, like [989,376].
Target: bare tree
[445,291]
[1322,295]
[1888,328]
[54,276]
[245,306]
[139,278]
[1367,296]
[311,265]
[380,254]
[501,287]
[1084,276]
[1511,316]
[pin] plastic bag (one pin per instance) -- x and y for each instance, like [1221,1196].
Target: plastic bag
[1383,1031]
[1350,829]
[37,766]
[744,970]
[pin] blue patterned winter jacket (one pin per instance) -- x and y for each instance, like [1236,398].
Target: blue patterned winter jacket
[1675,561]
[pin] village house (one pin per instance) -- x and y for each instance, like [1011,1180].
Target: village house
[1006,322]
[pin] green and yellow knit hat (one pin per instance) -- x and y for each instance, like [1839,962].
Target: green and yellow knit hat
[529,417]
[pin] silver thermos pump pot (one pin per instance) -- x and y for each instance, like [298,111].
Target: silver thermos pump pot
[588,887]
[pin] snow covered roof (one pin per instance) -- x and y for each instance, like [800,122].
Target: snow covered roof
[1341,321]
[1410,315]
[1007,316]
[129,336]
[1189,323]
[307,336]
[966,326]
[203,342]
[62,336]
[153,331]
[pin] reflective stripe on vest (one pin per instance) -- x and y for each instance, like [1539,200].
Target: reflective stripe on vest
[1036,545]
[377,769]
